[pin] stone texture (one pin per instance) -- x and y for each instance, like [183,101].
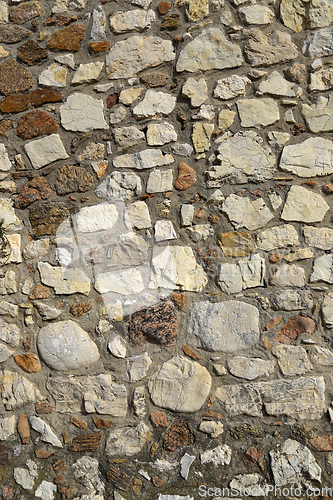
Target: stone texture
[231,87]
[67,39]
[154,105]
[53,76]
[15,104]
[196,90]
[222,53]
[201,135]
[318,117]
[221,455]
[46,217]
[63,280]
[160,133]
[137,367]
[126,137]
[304,206]
[14,78]
[82,113]
[243,212]
[36,189]
[25,12]
[127,441]
[127,57]
[132,20]
[180,385]
[43,151]
[265,50]
[313,157]
[318,237]
[292,299]
[13,34]
[65,346]
[36,123]
[17,390]
[10,220]
[31,53]
[321,80]
[295,327]
[29,363]
[292,359]
[256,14]
[277,237]
[156,323]
[321,355]
[250,368]
[258,112]
[160,181]
[186,177]
[319,43]
[71,178]
[87,73]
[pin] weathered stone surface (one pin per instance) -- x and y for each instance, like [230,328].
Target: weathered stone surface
[154,105]
[318,117]
[160,133]
[96,218]
[231,87]
[65,5]
[67,39]
[46,217]
[71,178]
[322,269]
[82,113]
[319,43]
[157,323]
[236,243]
[25,12]
[128,441]
[87,73]
[125,282]
[303,398]
[132,20]
[288,275]
[13,34]
[245,274]
[47,312]
[186,177]
[65,346]
[293,462]
[265,50]
[127,57]
[16,390]
[15,104]
[321,80]
[243,212]
[98,392]
[31,53]
[180,385]
[322,443]
[304,206]
[258,112]
[295,327]
[201,135]
[24,478]
[43,151]
[321,355]
[30,363]
[119,185]
[137,367]
[298,15]
[292,359]
[256,14]
[291,299]
[207,321]
[221,455]
[46,490]
[276,85]
[244,159]
[86,443]
[23,429]
[196,90]
[277,237]
[36,189]
[222,53]
[318,237]
[53,76]
[64,280]
[160,181]
[9,333]
[310,158]
[36,123]
[250,368]
[14,78]
[126,137]
[10,221]
[5,126]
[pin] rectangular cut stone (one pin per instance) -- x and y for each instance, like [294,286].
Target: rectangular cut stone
[125,282]
[46,150]
[303,398]
[96,218]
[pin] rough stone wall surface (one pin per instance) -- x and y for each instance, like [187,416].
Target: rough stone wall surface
[166,240]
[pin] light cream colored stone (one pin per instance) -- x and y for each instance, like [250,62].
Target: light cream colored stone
[214,429]
[36,249]
[147,158]
[159,134]
[256,14]
[300,14]
[276,85]
[54,76]
[231,87]
[299,254]
[11,221]
[313,157]
[16,390]
[132,20]
[258,112]
[128,441]
[321,80]
[226,119]
[323,269]
[96,218]
[47,434]
[318,237]
[87,73]
[99,24]
[243,212]
[319,116]
[304,206]
[201,135]
[288,275]
[250,368]
[277,237]
[155,104]
[292,359]
[43,151]
[82,113]
[128,96]
[125,282]
[64,281]
[138,214]
[196,90]
[62,6]
[5,163]
[160,181]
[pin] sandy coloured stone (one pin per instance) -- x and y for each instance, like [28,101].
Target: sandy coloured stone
[36,189]
[127,57]
[23,429]
[209,50]
[46,217]
[292,359]
[250,368]
[318,116]
[25,12]
[11,221]
[319,43]
[308,159]
[39,292]
[67,39]
[160,181]
[31,53]
[128,441]
[304,206]
[186,177]
[159,134]
[155,104]
[5,126]
[87,73]
[147,158]
[128,96]
[132,20]
[71,178]
[154,79]
[231,87]
[300,14]
[277,237]
[258,112]
[196,9]
[17,103]
[256,14]
[53,76]
[82,113]
[17,390]
[13,34]
[126,137]
[265,50]
[196,90]
[64,280]
[201,134]
[14,78]
[43,151]
[236,243]
[243,212]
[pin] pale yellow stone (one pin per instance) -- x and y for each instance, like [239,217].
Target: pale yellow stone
[201,135]
[226,119]
[3,52]
[128,96]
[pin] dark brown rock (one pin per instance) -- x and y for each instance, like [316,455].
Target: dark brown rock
[86,442]
[5,126]
[46,217]
[119,479]
[322,443]
[157,323]
[157,482]
[44,453]
[111,100]
[23,429]
[158,419]
[98,47]
[31,53]
[327,188]
[40,292]
[43,408]
[59,465]
[252,455]
[154,79]
[27,343]
[67,39]
[60,20]
[36,189]
[178,435]
[310,184]
[297,129]
[164,7]
[273,258]
[244,431]
[294,327]
[191,353]
[102,423]
[14,78]
[71,178]
[29,363]
[79,309]
[186,177]
[13,34]
[36,123]
[18,103]
[79,423]
[25,12]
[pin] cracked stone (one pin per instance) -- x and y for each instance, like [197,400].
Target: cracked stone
[231,87]
[265,50]
[318,117]
[82,113]
[128,441]
[250,368]
[87,73]
[155,104]
[311,158]
[243,212]
[196,90]
[159,134]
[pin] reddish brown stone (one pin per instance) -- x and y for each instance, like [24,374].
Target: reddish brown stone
[36,189]
[14,78]
[79,309]
[158,323]
[79,423]
[297,129]
[274,257]
[154,79]
[86,442]
[29,174]
[212,414]
[25,12]
[36,123]
[157,482]
[252,455]
[179,299]
[23,429]
[44,453]
[137,485]
[13,34]
[200,214]
[98,47]
[67,39]
[112,100]
[186,177]
[71,178]
[310,184]
[5,126]
[18,103]
[59,479]
[40,292]
[34,26]
[176,436]
[8,493]
[190,353]
[31,53]
[294,327]
[119,479]
[102,423]
[46,217]
[59,465]
[322,443]
[65,492]
[164,7]
[60,20]
[213,219]
[211,401]
[158,419]
[327,188]
[30,363]
[272,323]
[27,343]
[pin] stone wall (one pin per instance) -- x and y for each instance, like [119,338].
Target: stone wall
[166,249]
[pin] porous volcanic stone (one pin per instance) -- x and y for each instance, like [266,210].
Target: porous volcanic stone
[14,78]
[36,123]
[46,217]
[25,12]
[67,39]
[178,435]
[157,323]
[34,190]
[71,178]
[31,53]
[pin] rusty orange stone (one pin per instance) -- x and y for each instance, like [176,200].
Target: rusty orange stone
[158,419]
[186,177]
[67,39]
[98,47]
[36,123]
[29,362]
[23,429]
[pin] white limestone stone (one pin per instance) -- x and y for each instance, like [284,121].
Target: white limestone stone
[258,112]
[132,20]
[148,158]
[256,14]
[125,282]
[164,230]
[230,87]
[5,163]
[304,206]
[155,104]
[160,181]
[128,441]
[243,212]
[87,73]
[318,237]
[292,359]
[64,280]
[54,76]
[10,220]
[43,151]
[96,218]
[221,455]
[98,25]
[250,368]
[277,237]
[66,59]
[310,158]
[160,133]
[82,113]
[276,85]
[138,214]
[196,90]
